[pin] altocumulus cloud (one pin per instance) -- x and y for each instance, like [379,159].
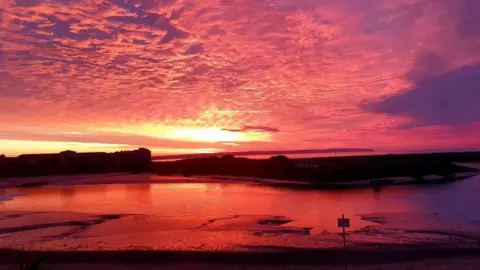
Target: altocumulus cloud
[246,65]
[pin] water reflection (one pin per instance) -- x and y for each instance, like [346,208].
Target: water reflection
[69,193]
[308,208]
[140,193]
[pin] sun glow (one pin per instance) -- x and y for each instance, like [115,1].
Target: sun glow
[181,133]
[207,135]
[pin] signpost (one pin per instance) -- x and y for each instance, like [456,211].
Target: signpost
[344,223]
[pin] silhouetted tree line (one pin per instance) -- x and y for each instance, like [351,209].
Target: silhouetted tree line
[320,170]
[69,162]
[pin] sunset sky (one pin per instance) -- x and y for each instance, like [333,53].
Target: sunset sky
[185,76]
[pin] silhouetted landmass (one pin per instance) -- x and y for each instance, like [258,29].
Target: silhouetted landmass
[325,170]
[70,162]
[283,152]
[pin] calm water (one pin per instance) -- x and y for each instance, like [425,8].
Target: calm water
[458,201]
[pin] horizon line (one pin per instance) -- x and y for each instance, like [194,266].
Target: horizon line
[272,152]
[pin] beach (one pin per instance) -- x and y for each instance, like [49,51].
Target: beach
[106,219]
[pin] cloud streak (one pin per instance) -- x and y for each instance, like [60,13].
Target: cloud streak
[253,129]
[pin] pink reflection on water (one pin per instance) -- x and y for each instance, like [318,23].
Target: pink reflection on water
[221,216]
[316,209]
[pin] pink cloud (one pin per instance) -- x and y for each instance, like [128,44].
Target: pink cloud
[305,68]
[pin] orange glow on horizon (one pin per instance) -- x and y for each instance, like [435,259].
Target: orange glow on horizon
[14,148]
[18,147]
[198,134]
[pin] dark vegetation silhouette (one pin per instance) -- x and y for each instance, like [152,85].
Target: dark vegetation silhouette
[70,162]
[36,265]
[324,170]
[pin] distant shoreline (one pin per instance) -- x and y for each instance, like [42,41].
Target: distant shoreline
[320,173]
[329,172]
[332,151]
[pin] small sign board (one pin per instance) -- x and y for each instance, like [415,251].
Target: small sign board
[343,222]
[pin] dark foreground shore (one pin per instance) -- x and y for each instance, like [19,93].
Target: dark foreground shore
[282,256]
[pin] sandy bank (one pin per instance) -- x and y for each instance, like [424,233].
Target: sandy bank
[71,231]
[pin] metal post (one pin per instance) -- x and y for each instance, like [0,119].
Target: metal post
[344,236]
[344,246]
[344,223]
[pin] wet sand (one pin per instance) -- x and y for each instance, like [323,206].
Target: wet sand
[139,241]
[187,229]
[71,231]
